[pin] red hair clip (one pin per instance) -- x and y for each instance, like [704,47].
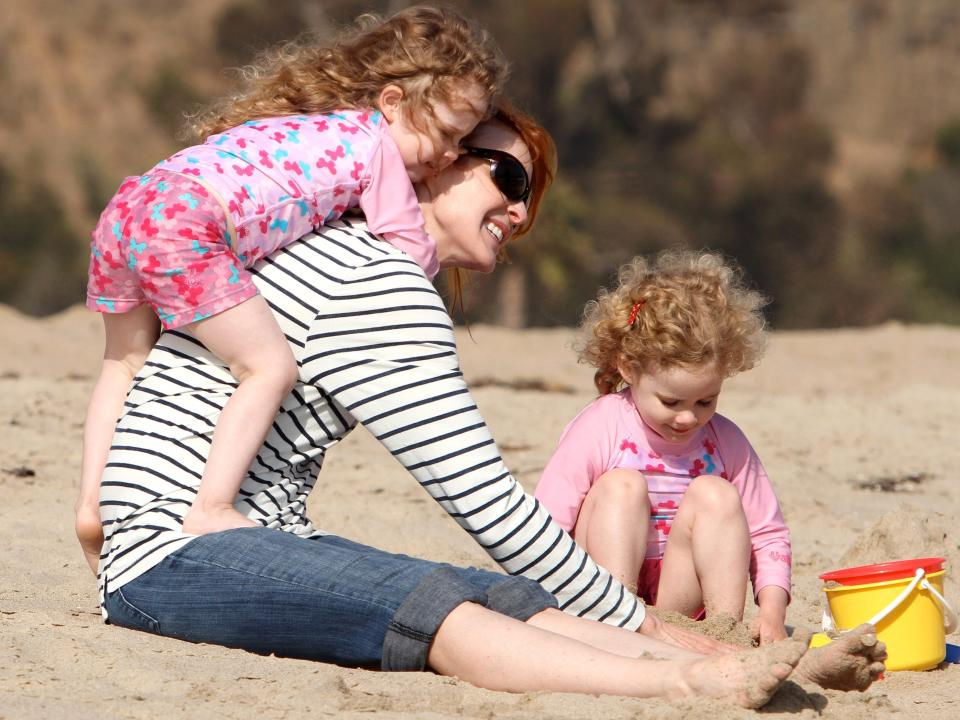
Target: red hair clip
[633,312]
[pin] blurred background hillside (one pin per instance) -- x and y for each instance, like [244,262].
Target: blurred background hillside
[818,141]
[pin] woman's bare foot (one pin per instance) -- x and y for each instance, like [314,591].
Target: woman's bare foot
[89,533]
[748,678]
[851,661]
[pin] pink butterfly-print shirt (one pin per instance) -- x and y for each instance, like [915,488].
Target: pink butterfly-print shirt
[609,433]
[282,177]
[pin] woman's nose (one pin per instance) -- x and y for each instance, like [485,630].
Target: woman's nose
[517,212]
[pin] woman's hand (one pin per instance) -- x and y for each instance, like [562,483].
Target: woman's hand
[654,627]
[769,624]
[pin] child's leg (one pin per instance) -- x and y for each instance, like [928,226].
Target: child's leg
[613,523]
[707,558]
[249,340]
[129,338]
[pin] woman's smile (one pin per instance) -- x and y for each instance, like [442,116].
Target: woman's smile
[465,211]
[495,230]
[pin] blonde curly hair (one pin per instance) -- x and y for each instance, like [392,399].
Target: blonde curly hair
[692,308]
[430,53]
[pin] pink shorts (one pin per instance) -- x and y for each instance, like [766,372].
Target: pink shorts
[162,240]
[648,584]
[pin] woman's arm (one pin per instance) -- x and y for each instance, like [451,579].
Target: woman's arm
[385,351]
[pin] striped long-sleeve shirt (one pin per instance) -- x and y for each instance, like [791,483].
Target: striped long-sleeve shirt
[374,345]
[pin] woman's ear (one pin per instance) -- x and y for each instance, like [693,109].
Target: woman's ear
[389,101]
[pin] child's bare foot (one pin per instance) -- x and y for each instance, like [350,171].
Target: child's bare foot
[89,533]
[748,678]
[851,661]
[214,518]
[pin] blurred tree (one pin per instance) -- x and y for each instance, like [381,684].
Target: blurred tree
[39,259]
[97,189]
[246,27]
[907,236]
[924,249]
[948,142]
[685,123]
[169,96]
[752,179]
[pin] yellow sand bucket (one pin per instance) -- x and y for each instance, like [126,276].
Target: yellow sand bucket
[903,600]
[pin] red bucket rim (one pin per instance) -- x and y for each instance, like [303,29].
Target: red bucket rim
[880,572]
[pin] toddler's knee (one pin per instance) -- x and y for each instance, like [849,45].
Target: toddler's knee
[715,493]
[623,486]
[289,373]
[277,371]
[283,376]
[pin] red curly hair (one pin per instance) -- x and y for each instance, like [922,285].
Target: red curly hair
[543,158]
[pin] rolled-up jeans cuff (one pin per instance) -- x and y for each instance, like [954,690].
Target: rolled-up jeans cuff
[415,623]
[519,598]
[411,631]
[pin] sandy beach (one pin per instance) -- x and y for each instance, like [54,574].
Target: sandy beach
[857,430]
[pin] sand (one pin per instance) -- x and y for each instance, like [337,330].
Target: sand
[857,429]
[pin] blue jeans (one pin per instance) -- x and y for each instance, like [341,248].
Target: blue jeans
[323,598]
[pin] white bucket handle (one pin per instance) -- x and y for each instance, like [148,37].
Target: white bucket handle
[950,622]
[895,603]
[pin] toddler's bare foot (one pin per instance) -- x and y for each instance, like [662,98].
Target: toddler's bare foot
[851,661]
[201,521]
[89,533]
[748,678]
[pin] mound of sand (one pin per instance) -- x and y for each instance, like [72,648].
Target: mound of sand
[908,533]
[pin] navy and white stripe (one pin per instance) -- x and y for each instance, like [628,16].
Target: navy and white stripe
[375,346]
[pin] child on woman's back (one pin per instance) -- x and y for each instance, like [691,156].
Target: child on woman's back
[667,495]
[317,131]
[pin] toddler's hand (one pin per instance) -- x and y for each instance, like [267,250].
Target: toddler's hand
[768,629]
[768,625]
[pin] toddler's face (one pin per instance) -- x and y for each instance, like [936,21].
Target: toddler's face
[675,402]
[426,153]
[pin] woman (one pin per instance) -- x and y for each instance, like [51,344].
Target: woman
[375,345]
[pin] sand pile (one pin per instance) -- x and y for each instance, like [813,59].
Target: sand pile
[908,533]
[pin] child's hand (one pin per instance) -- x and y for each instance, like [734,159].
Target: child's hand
[768,630]
[769,624]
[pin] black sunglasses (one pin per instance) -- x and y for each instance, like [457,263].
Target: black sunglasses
[507,172]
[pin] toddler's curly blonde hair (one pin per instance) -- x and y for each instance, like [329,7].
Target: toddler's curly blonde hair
[692,308]
[431,53]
